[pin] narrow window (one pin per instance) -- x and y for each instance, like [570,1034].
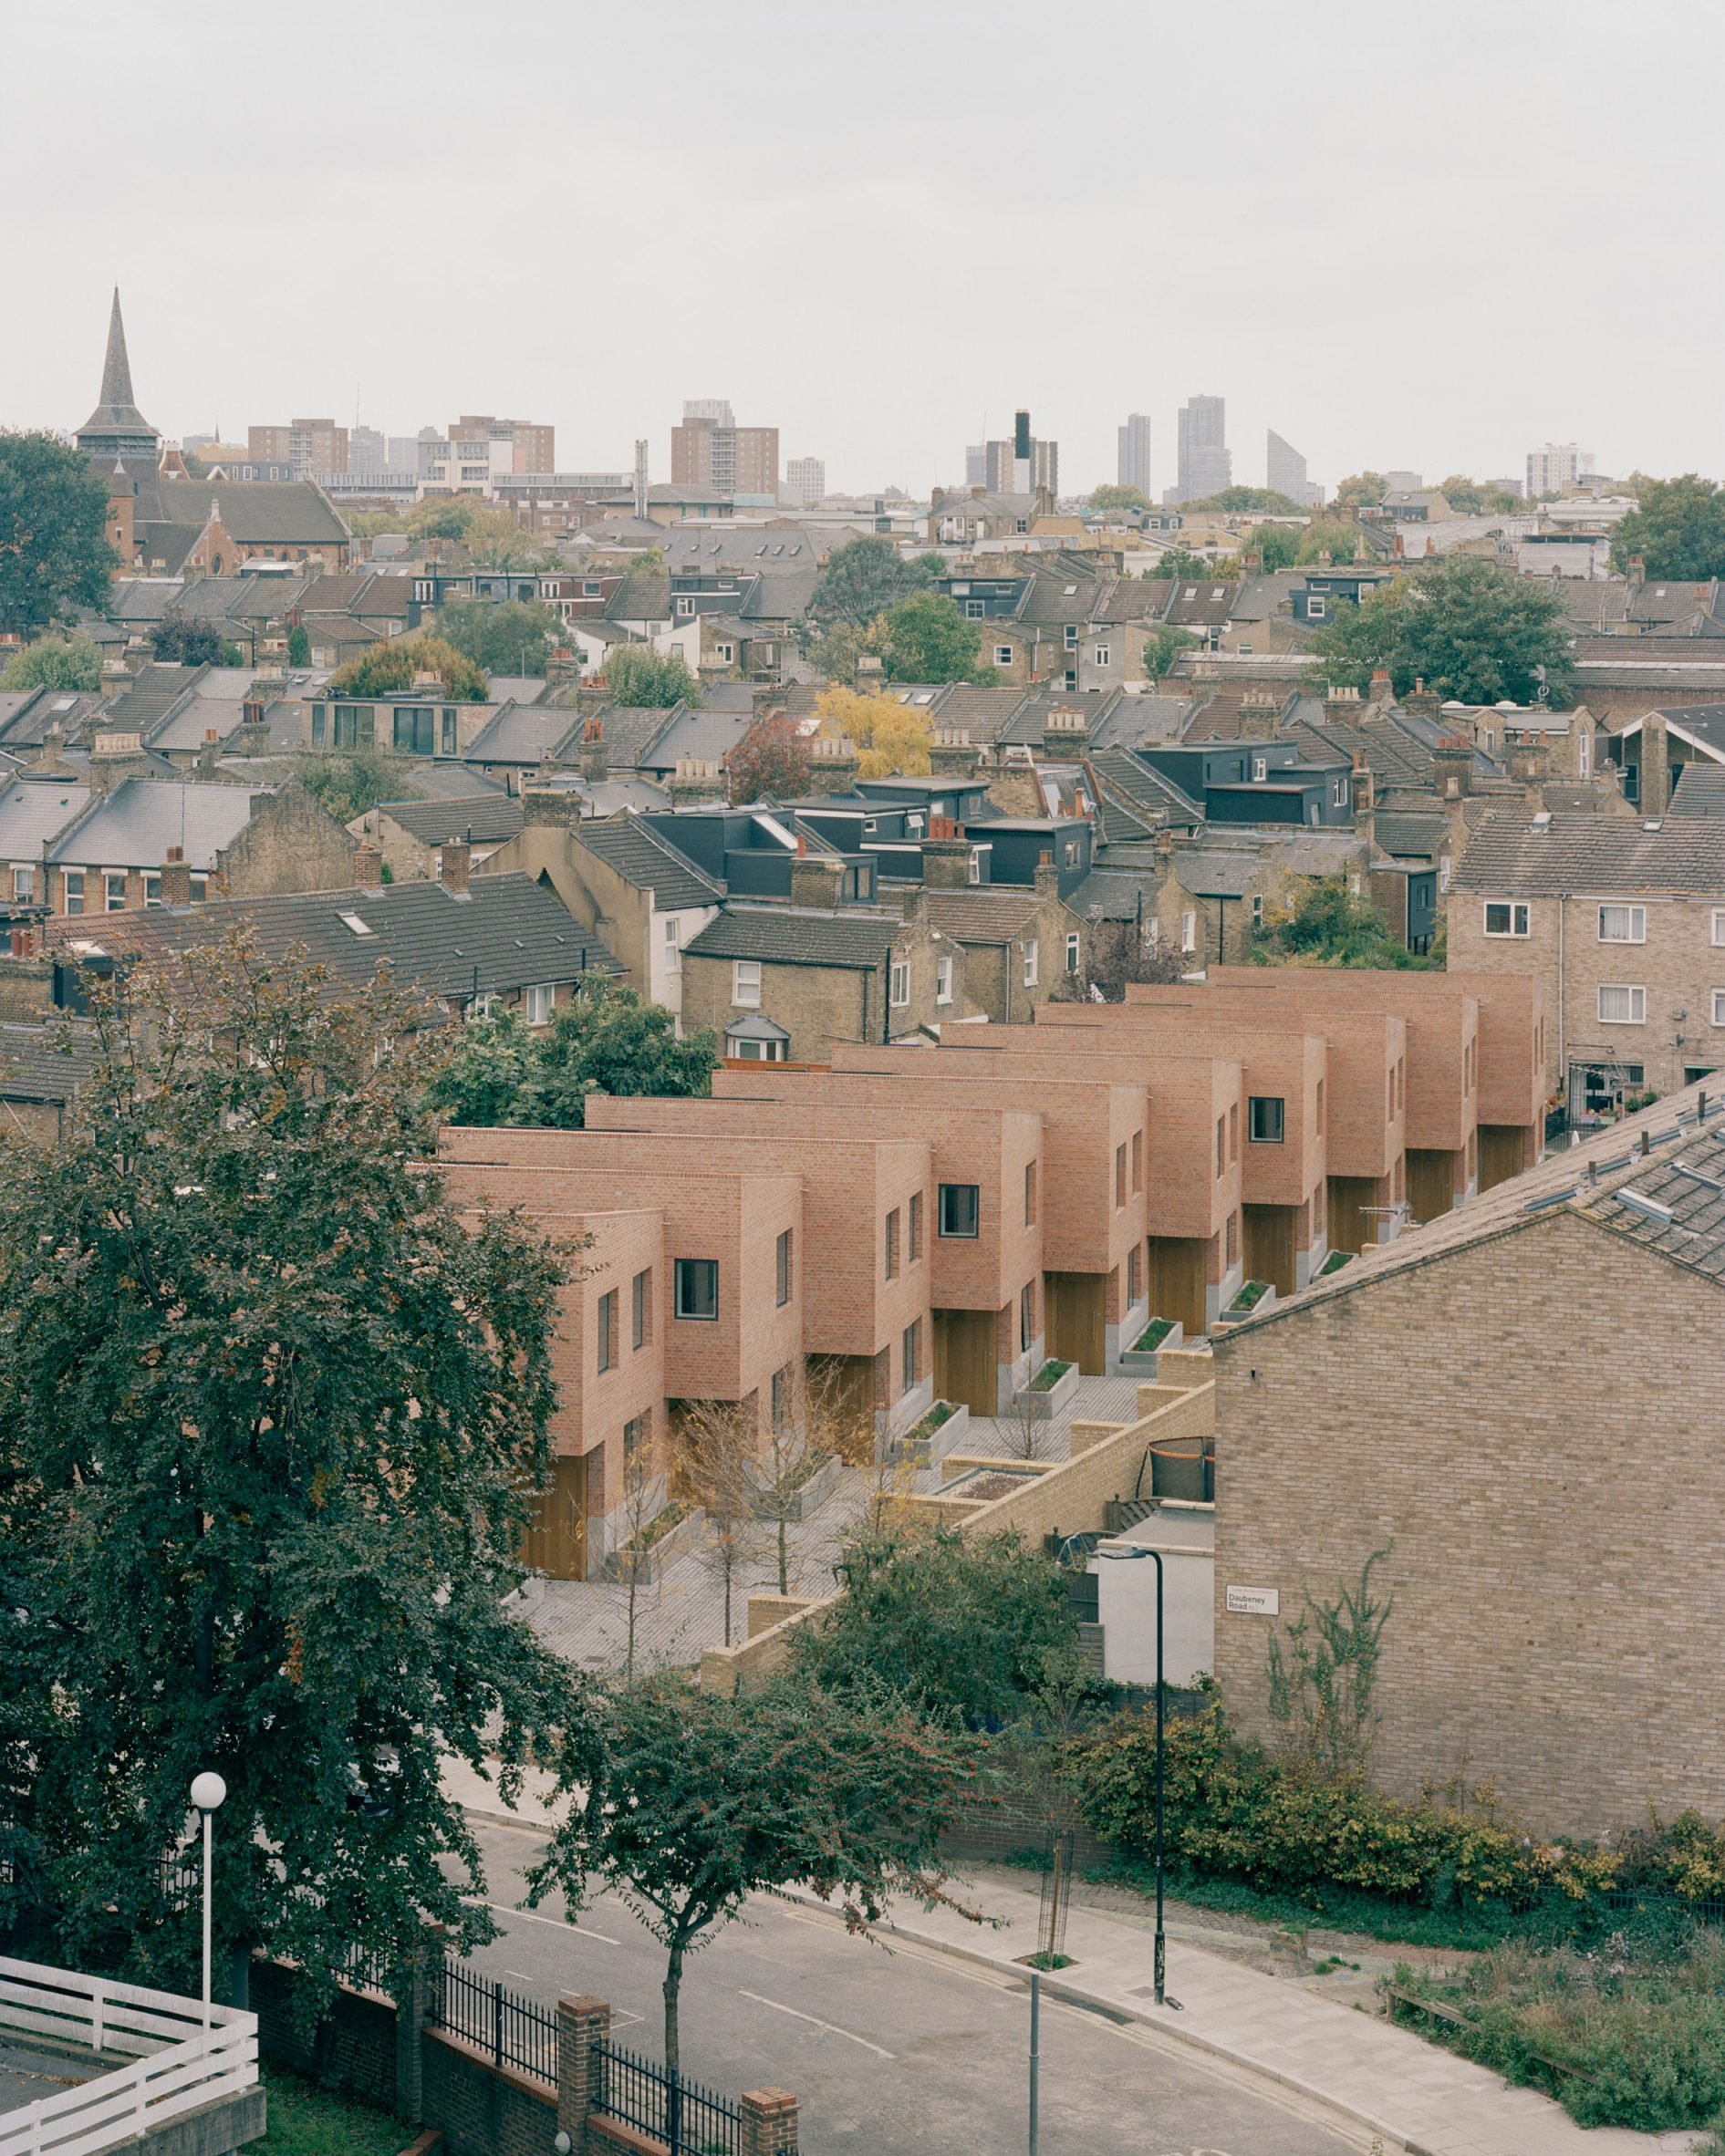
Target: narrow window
[1071,952]
[745,983]
[1233,1132]
[1026,1315]
[1221,1144]
[539,1006]
[641,1300]
[916,1226]
[909,1347]
[1030,1193]
[782,1277]
[1137,1160]
[1119,1176]
[943,980]
[900,983]
[607,1329]
[892,1244]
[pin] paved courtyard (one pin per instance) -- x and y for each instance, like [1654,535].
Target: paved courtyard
[682,1613]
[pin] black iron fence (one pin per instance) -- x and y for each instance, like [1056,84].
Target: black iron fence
[510,2030]
[689,2119]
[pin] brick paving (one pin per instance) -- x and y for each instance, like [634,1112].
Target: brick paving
[682,1613]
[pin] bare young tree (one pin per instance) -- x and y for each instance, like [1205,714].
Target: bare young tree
[643,1495]
[717,1445]
[817,1413]
[1117,952]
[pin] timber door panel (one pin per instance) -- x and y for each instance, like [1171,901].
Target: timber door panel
[1177,1282]
[1076,1319]
[964,1359]
[1432,1184]
[1352,1226]
[1503,1153]
[1269,1233]
[555,1540]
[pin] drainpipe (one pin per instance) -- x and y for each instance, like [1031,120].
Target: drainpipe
[1562,1013]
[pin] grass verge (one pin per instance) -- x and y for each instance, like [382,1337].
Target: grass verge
[306,2120]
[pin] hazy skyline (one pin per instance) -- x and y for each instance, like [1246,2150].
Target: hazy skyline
[1397,239]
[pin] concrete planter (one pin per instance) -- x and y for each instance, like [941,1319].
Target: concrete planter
[1043,1406]
[809,1498]
[644,1568]
[926,1450]
[1238,1317]
[1141,1362]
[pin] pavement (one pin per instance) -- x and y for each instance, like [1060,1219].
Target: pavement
[1251,2064]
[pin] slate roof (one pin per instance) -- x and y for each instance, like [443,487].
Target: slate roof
[645,597]
[695,730]
[256,512]
[995,914]
[1210,873]
[1700,791]
[852,939]
[33,810]
[984,713]
[508,932]
[445,782]
[516,689]
[46,1063]
[145,598]
[487,819]
[133,826]
[26,717]
[524,733]
[649,863]
[151,696]
[1508,853]
[1409,833]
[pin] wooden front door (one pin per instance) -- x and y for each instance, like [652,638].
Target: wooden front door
[1269,1232]
[1432,1184]
[556,1541]
[1177,1282]
[964,1359]
[1074,1320]
[1353,1227]
[1503,1152]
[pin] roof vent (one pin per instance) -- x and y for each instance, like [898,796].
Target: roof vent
[1543,820]
[1653,824]
[1649,1209]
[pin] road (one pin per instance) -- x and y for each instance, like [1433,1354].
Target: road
[886,2049]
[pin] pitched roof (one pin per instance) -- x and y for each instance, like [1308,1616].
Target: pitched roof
[524,733]
[982,914]
[150,697]
[1506,852]
[649,863]
[642,597]
[256,512]
[45,1063]
[855,937]
[507,933]
[1700,791]
[33,810]
[133,826]
[1408,831]
[485,819]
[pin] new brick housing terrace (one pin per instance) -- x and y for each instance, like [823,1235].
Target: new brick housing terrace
[932,1222]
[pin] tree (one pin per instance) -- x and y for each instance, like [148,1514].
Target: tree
[823,1419]
[1324,923]
[1232,501]
[1463,495]
[894,739]
[1118,498]
[269,1408]
[1114,953]
[299,644]
[1277,547]
[1468,626]
[1180,562]
[55,662]
[703,1800]
[55,559]
[393,664]
[1164,647]
[772,759]
[1327,536]
[716,1442]
[965,1625]
[835,650]
[608,1040]
[1360,489]
[487,535]
[1677,529]
[178,642]
[865,578]
[349,782]
[637,674]
[505,637]
[928,639]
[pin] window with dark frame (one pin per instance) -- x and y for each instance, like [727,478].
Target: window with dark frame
[1030,1193]
[916,1227]
[698,1287]
[892,1244]
[1026,1315]
[1266,1116]
[908,1348]
[1119,1175]
[607,1329]
[961,1209]
[641,1300]
[783,1269]
[1137,1160]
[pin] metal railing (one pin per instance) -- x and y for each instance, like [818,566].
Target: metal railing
[689,2119]
[509,2029]
[177,2066]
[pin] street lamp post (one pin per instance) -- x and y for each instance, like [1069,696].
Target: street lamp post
[208,1793]
[1126,1553]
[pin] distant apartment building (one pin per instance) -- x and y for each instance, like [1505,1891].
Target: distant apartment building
[1018,465]
[304,446]
[1557,466]
[1132,454]
[368,451]
[532,445]
[709,449]
[1206,465]
[806,482]
[1285,471]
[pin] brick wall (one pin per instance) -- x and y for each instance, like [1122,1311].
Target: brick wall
[1551,1522]
[354,2048]
[292,844]
[26,990]
[482,2109]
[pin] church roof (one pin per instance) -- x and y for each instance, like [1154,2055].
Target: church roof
[115,415]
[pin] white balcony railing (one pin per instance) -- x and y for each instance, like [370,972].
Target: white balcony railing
[176,2067]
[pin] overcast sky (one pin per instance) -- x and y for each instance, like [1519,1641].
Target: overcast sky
[1421,236]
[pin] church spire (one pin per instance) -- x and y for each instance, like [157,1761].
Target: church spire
[117,428]
[116,368]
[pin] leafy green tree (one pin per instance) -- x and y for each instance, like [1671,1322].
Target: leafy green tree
[506,638]
[1323,923]
[865,579]
[1463,495]
[1181,562]
[1361,490]
[1677,529]
[703,1800]
[269,1408]
[1118,498]
[299,644]
[928,639]
[1277,545]
[1164,647]
[962,1625]
[772,759]
[1326,536]
[55,662]
[55,559]
[486,534]
[349,782]
[1232,501]
[393,664]
[637,674]
[1468,626]
[178,642]
[608,1040]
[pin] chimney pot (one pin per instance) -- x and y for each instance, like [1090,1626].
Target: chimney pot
[452,863]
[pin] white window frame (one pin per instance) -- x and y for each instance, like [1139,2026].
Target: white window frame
[1638,923]
[1033,962]
[1521,918]
[943,980]
[1719,1007]
[1102,654]
[72,888]
[898,983]
[540,997]
[725,653]
[745,983]
[1315,608]
[1002,655]
[1718,924]
[976,609]
[24,883]
[1637,996]
[673,944]
[1072,950]
[976,864]
[1072,636]
[1260,767]
[1189,931]
[1338,793]
[685,605]
[110,876]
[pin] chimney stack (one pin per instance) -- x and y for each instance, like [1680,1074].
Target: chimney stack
[368,868]
[816,879]
[596,763]
[695,778]
[1065,731]
[1047,877]
[453,859]
[946,856]
[833,763]
[116,757]
[176,878]
[950,755]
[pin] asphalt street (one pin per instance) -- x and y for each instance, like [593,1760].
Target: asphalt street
[888,2049]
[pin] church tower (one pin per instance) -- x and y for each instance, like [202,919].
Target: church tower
[117,428]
